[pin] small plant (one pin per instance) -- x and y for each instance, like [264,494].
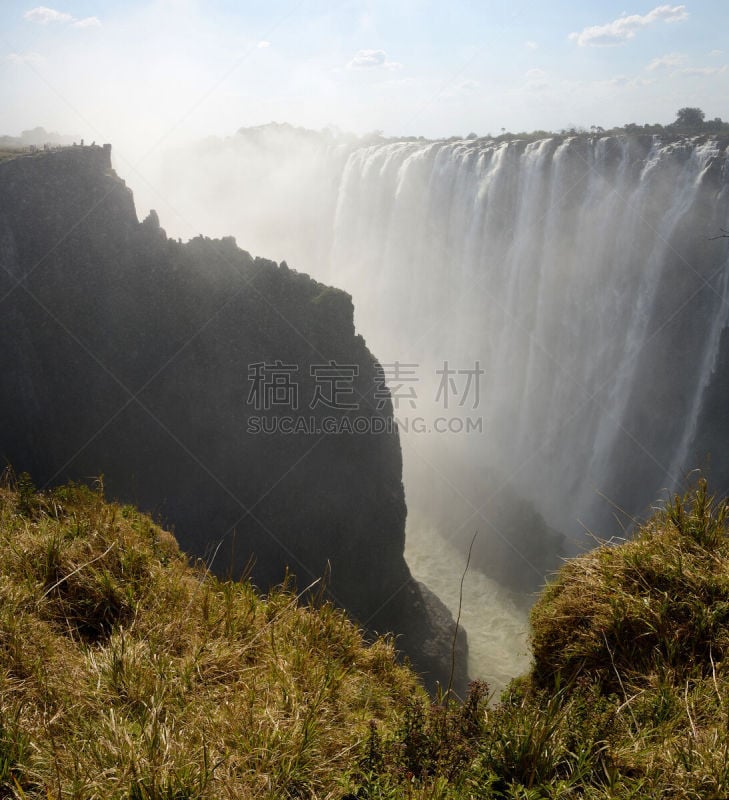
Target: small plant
[434,742]
[27,498]
[14,751]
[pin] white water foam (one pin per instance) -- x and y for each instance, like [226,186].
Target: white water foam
[497,627]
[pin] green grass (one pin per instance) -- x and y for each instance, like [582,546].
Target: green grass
[127,673]
[628,694]
[7,153]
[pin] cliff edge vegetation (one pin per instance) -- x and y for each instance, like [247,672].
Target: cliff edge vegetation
[628,693]
[127,673]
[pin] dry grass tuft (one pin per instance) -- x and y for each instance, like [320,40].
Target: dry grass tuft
[125,673]
[656,604]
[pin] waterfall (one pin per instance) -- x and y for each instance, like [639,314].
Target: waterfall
[551,263]
[562,266]
[576,272]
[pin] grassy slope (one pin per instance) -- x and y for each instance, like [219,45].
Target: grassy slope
[124,673]
[628,695]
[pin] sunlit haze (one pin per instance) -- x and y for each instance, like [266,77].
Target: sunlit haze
[141,74]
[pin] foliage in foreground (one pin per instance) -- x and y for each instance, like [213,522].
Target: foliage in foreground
[628,695]
[124,673]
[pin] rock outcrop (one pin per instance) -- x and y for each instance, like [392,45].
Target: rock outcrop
[228,395]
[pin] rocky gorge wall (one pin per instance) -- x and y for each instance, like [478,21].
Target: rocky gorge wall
[129,355]
[578,272]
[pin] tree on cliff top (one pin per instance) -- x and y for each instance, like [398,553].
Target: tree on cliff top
[689,118]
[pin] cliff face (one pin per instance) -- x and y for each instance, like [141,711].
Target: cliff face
[578,271]
[172,370]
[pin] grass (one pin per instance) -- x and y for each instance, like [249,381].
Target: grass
[659,603]
[628,694]
[127,673]
[7,153]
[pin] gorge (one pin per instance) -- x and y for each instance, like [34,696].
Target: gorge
[133,360]
[566,294]
[578,272]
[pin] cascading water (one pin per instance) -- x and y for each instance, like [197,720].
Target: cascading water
[576,273]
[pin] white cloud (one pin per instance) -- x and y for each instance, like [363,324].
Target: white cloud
[43,15]
[715,53]
[621,82]
[87,22]
[531,45]
[367,59]
[263,44]
[24,58]
[669,60]
[372,59]
[623,28]
[698,72]
[536,74]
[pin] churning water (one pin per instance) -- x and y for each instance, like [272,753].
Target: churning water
[496,624]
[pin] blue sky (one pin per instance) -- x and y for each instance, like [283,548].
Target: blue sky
[169,69]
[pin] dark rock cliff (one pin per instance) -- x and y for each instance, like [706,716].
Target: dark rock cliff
[134,356]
